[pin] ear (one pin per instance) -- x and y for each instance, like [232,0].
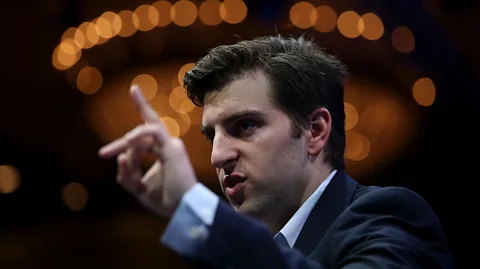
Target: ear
[320,126]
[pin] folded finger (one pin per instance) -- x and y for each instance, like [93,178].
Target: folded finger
[133,156]
[129,176]
[122,168]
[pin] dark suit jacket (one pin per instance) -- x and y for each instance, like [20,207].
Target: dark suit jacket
[351,226]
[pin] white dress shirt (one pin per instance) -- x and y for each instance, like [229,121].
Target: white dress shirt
[188,227]
[292,229]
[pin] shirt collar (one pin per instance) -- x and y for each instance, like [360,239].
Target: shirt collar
[292,229]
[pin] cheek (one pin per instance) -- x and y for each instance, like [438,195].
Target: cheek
[279,154]
[287,165]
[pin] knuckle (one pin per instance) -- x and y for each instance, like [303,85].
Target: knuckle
[155,127]
[132,134]
[177,144]
[177,147]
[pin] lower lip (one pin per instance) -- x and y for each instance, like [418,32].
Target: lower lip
[231,191]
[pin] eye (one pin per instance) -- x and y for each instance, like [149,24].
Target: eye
[209,136]
[242,127]
[209,139]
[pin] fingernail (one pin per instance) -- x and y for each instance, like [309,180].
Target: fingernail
[104,151]
[101,151]
[135,89]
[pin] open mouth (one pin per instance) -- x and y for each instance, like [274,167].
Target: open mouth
[234,185]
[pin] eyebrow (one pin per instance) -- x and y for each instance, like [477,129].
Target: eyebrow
[252,113]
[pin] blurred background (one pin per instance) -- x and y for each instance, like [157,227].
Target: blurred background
[66,66]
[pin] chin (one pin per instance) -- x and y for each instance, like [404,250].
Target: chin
[239,208]
[248,209]
[242,208]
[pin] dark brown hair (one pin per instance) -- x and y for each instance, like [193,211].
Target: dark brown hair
[303,78]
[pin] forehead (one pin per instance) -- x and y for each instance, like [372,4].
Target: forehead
[248,93]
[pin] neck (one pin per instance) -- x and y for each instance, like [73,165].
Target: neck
[275,225]
[317,178]
[288,208]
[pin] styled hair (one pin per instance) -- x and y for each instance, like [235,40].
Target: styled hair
[302,77]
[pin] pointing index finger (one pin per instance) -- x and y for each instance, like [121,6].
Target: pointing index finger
[149,115]
[146,111]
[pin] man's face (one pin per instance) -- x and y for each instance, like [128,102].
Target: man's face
[261,167]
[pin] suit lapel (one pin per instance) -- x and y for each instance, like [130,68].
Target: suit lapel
[334,200]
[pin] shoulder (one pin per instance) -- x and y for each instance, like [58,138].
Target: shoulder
[398,215]
[393,221]
[397,201]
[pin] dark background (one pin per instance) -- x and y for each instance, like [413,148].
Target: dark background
[48,134]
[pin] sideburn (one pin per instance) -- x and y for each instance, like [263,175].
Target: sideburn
[295,130]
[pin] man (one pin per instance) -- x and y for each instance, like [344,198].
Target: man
[273,110]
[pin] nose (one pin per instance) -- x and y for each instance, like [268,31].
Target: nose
[224,152]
